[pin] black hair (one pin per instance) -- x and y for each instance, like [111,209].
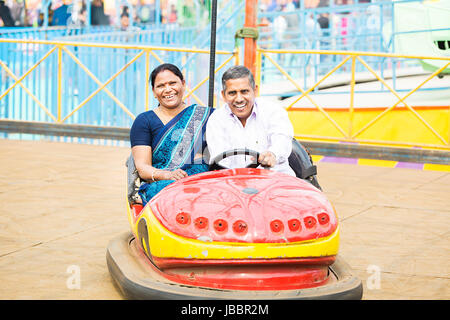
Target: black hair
[238,72]
[163,67]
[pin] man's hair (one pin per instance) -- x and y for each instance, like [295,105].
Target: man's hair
[238,72]
[163,67]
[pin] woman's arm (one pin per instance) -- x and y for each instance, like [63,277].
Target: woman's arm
[143,161]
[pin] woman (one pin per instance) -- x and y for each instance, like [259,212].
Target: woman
[167,142]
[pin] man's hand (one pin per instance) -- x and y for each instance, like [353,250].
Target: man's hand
[267,159]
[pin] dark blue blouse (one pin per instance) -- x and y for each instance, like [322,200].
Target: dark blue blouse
[145,128]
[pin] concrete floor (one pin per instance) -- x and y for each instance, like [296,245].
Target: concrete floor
[61,203]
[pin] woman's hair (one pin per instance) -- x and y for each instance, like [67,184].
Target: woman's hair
[163,67]
[238,72]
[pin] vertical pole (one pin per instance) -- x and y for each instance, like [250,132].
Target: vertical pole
[352,99]
[212,53]
[147,77]
[258,70]
[251,8]
[59,97]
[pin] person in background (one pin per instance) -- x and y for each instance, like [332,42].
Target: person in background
[5,15]
[62,14]
[18,12]
[98,16]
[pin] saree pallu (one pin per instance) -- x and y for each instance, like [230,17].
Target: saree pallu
[175,147]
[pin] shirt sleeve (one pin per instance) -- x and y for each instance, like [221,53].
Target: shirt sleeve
[215,135]
[140,133]
[280,133]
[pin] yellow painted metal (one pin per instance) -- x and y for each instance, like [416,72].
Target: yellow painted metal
[398,128]
[258,63]
[355,53]
[26,73]
[104,85]
[35,99]
[59,81]
[165,244]
[61,46]
[359,129]
[207,78]
[329,134]
[90,74]
[147,80]
[108,45]
[402,100]
[305,93]
[352,98]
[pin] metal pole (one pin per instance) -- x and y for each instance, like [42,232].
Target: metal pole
[251,8]
[212,53]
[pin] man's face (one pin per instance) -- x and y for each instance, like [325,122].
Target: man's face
[240,97]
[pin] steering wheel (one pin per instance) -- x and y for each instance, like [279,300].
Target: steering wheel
[234,152]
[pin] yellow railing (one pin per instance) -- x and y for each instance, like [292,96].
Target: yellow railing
[349,130]
[61,47]
[349,134]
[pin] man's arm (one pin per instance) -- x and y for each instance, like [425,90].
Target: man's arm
[215,136]
[280,134]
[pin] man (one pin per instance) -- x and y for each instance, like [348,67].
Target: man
[5,15]
[245,122]
[62,14]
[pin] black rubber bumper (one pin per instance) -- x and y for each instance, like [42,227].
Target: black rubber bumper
[136,280]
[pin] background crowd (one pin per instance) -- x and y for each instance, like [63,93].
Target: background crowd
[181,12]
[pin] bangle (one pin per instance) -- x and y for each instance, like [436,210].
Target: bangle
[153,174]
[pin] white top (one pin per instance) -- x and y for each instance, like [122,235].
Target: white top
[268,128]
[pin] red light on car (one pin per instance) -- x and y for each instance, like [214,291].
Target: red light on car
[294,225]
[240,227]
[323,218]
[201,223]
[221,225]
[276,226]
[309,222]
[183,218]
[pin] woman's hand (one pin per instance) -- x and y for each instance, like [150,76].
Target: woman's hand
[173,175]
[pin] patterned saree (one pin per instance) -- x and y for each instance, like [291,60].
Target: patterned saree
[175,147]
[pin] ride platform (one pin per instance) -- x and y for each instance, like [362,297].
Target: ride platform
[61,204]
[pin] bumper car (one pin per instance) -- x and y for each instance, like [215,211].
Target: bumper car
[244,234]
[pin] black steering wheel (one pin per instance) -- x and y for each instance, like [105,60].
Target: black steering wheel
[234,152]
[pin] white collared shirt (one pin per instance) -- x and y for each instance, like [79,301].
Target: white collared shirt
[268,128]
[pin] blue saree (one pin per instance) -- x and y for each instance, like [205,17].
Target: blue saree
[175,147]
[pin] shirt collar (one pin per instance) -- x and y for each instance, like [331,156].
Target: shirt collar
[254,110]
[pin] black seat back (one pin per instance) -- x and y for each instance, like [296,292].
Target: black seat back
[301,162]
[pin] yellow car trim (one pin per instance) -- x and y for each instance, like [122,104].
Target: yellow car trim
[165,244]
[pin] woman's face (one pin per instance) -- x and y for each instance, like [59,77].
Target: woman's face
[168,89]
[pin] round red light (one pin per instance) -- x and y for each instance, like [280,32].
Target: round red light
[276,226]
[294,225]
[309,222]
[183,218]
[323,218]
[221,225]
[201,223]
[240,227]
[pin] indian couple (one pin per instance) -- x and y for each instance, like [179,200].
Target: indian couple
[168,142]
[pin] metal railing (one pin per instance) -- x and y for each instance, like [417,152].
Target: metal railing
[348,133]
[91,83]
